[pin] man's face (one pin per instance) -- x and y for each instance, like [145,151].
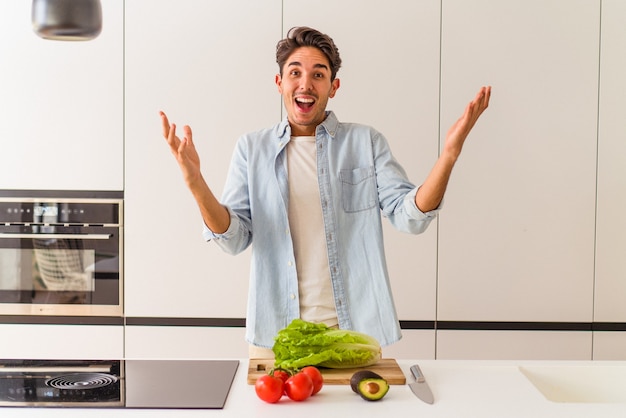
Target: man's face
[306,87]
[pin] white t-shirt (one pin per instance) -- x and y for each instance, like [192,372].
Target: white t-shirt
[317,303]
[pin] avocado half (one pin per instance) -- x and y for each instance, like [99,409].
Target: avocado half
[369,385]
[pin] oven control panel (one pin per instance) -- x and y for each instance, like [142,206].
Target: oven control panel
[60,212]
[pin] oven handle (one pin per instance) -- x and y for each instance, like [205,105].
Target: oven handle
[56,236]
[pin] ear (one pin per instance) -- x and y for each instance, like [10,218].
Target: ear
[334,87]
[279,81]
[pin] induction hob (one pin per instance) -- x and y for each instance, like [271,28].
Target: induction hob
[157,384]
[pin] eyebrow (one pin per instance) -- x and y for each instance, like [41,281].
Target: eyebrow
[299,64]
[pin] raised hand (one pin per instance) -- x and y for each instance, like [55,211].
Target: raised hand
[431,192]
[183,150]
[215,216]
[459,131]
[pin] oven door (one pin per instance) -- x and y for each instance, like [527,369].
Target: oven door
[60,270]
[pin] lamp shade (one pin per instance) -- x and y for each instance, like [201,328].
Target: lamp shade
[67,20]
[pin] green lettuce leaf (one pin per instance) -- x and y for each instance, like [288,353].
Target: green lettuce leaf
[304,343]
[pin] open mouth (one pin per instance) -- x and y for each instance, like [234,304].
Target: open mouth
[304,104]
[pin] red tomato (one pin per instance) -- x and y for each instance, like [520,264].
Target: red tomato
[281,374]
[299,387]
[269,388]
[316,377]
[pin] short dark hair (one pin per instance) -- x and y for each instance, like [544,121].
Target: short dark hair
[300,36]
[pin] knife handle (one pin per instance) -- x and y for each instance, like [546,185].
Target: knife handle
[417,373]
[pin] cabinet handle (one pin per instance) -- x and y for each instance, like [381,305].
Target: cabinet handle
[55,236]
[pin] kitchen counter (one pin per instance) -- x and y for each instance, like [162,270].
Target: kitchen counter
[461,389]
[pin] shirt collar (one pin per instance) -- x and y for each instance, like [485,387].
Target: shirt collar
[330,125]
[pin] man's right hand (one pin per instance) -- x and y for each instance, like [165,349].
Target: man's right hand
[215,216]
[183,150]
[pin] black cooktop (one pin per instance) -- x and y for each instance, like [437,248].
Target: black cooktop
[161,384]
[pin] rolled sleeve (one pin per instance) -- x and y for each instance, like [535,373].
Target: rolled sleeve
[414,212]
[209,235]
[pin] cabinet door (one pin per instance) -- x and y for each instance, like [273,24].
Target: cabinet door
[35,341]
[517,232]
[513,345]
[610,286]
[62,105]
[184,342]
[611,234]
[390,80]
[211,65]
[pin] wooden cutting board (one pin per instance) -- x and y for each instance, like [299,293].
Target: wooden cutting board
[387,368]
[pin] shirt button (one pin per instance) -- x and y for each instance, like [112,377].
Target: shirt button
[292,296]
[289,263]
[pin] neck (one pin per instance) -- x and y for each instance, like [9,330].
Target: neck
[299,130]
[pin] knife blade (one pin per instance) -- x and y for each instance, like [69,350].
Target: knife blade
[420,387]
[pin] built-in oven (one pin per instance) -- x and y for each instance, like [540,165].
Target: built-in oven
[61,255]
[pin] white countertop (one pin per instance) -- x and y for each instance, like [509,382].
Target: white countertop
[461,389]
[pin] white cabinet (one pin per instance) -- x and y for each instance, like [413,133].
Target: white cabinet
[609,345]
[38,341]
[415,343]
[610,286]
[174,342]
[62,105]
[516,239]
[517,234]
[211,65]
[390,80]
[513,345]
[611,229]
[229,342]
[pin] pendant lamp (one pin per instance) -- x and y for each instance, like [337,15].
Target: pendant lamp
[67,20]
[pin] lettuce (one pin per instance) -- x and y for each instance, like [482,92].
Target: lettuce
[304,343]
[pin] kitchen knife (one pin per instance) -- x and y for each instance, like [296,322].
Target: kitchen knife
[420,387]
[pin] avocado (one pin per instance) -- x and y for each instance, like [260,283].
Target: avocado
[360,375]
[372,389]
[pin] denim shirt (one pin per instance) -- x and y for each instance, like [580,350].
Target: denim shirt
[359,180]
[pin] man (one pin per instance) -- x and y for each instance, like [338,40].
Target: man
[310,192]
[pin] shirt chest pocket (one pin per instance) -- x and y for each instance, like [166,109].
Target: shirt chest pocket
[358,188]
